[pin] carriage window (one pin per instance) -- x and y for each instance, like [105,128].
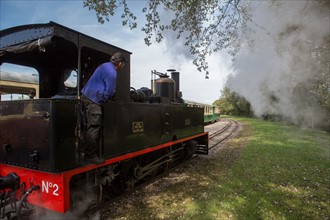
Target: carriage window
[18,82]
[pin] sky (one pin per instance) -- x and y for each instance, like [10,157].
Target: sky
[144,59]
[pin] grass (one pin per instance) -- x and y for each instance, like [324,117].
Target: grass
[269,171]
[281,174]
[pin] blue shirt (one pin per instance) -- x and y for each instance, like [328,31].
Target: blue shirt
[102,84]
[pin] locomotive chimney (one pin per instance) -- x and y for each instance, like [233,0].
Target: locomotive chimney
[176,77]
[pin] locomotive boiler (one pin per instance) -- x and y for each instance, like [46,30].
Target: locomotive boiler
[144,132]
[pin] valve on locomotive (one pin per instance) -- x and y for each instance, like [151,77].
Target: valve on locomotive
[11,181]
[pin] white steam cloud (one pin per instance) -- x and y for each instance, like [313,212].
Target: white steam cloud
[279,55]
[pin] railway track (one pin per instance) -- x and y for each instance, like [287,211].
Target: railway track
[218,136]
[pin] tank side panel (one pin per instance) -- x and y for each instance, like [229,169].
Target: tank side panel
[185,121]
[129,127]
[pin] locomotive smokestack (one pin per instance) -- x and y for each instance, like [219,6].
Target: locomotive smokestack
[176,77]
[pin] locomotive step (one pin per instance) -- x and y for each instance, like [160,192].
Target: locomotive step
[202,149]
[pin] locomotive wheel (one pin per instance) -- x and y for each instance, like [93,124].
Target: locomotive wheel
[190,149]
[150,176]
[86,197]
[163,168]
[129,184]
[122,186]
[137,172]
[118,186]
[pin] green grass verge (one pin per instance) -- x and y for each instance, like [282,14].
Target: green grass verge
[269,171]
[283,173]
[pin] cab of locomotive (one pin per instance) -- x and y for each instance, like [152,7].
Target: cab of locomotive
[40,131]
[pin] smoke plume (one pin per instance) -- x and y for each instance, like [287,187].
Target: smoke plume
[280,60]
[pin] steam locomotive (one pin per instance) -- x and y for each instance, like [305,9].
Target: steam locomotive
[145,131]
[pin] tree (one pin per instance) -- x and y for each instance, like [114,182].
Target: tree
[207,26]
[315,93]
[232,103]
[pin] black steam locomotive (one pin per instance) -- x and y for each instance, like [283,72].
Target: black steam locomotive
[145,131]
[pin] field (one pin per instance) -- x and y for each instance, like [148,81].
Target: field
[268,171]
